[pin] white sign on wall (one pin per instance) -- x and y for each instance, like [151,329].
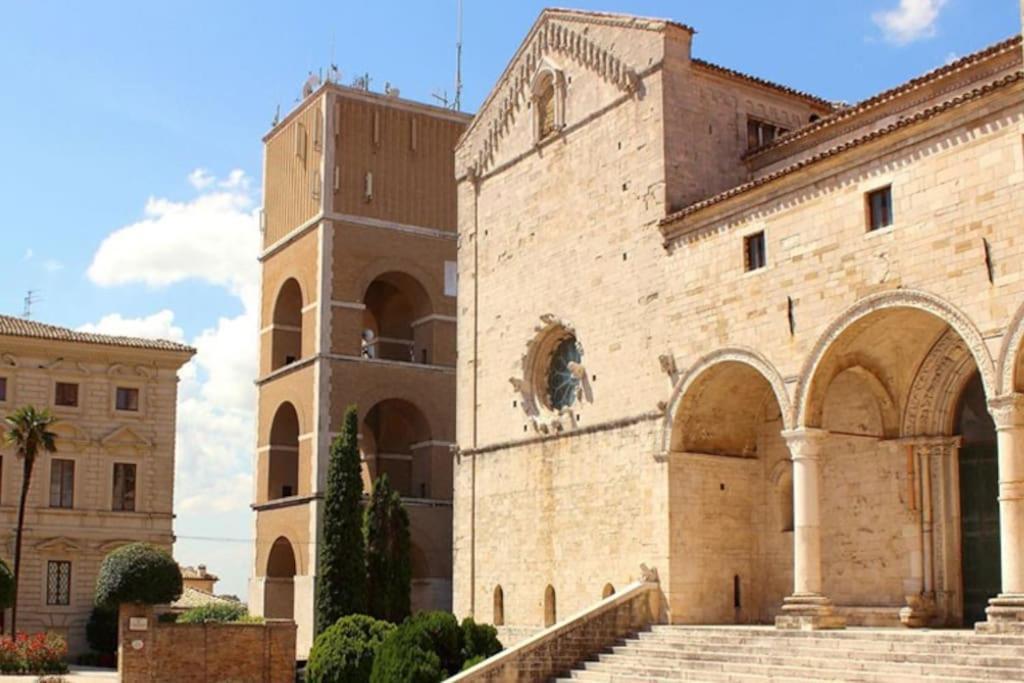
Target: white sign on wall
[451,278]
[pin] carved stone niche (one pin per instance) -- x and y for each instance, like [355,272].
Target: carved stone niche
[544,415]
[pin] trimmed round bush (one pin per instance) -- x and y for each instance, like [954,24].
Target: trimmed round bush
[216,612]
[407,656]
[345,651]
[6,586]
[140,573]
[479,641]
[101,630]
[445,637]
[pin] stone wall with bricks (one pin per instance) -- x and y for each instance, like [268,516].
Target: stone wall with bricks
[870,335]
[151,651]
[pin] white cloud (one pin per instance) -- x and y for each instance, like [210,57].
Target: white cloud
[912,20]
[213,238]
[201,179]
[157,326]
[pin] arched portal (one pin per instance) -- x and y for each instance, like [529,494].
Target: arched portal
[550,609]
[882,384]
[286,333]
[279,600]
[397,307]
[283,454]
[979,507]
[396,441]
[498,609]
[727,462]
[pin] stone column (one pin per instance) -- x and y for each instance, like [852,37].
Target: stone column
[1006,611]
[807,608]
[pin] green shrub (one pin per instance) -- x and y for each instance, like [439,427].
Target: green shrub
[470,663]
[445,637]
[138,572]
[479,641]
[215,612]
[407,656]
[101,630]
[344,653]
[6,586]
[167,617]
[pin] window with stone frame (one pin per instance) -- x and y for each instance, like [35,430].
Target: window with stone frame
[62,483]
[127,399]
[66,394]
[879,208]
[754,252]
[761,132]
[546,120]
[3,389]
[58,582]
[124,487]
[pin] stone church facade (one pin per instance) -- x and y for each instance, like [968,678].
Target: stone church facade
[765,347]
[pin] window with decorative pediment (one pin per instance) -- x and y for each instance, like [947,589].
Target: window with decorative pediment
[548,101]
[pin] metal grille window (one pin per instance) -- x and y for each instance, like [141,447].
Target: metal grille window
[754,248]
[124,487]
[880,208]
[62,483]
[66,394]
[58,582]
[3,388]
[128,399]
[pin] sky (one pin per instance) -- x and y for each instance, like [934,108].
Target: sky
[132,146]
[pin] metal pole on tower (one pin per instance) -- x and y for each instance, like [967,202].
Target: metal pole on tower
[458,59]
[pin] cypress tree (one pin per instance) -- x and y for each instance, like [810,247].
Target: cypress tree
[388,565]
[341,574]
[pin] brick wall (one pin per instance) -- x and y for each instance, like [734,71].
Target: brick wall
[154,652]
[556,650]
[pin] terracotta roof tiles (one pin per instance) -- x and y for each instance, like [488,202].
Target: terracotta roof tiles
[11,326]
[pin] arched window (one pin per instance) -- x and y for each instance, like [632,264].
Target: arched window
[548,101]
[279,590]
[785,492]
[498,615]
[396,441]
[397,306]
[550,612]
[546,107]
[283,454]
[286,331]
[608,591]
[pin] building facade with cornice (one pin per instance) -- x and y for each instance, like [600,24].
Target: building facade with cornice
[111,481]
[768,347]
[357,307]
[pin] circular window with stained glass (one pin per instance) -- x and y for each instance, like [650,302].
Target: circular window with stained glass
[564,374]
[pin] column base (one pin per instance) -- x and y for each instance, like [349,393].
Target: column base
[919,610]
[1005,614]
[808,612]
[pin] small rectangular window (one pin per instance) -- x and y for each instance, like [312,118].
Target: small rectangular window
[124,487]
[754,251]
[58,582]
[128,399]
[66,394]
[62,483]
[880,208]
[3,388]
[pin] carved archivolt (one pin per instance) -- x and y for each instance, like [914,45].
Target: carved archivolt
[1013,344]
[728,355]
[923,301]
[931,404]
[549,37]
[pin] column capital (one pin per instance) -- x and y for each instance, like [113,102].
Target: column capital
[1007,411]
[805,442]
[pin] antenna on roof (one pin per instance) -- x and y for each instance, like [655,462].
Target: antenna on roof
[277,116]
[441,97]
[31,297]
[458,60]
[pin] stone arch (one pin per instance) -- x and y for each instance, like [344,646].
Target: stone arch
[283,453]
[396,440]
[498,607]
[878,414]
[547,97]
[286,320]
[940,380]
[282,566]
[429,283]
[396,304]
[743,365]
[1011,357]
[550,608]
[607,591]
[813,382]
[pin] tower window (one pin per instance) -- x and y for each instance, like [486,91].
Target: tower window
[761,132]
[754,251]
[880,208]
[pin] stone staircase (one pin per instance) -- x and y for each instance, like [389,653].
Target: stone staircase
[762,653]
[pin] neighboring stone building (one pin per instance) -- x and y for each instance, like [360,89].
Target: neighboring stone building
[757,342]
[198,578]
[358,307]
[111,480]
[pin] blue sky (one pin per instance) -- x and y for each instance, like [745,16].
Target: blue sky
[132,133]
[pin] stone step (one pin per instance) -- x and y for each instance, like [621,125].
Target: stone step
[852,633]
[961,657]
[640,661]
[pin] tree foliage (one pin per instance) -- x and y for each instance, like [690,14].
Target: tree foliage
[341,580]
[432,646]
[138,572]
[214,612]
[101,630]
[388,564]
[345,651]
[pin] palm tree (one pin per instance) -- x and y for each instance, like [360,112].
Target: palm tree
[28,430]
